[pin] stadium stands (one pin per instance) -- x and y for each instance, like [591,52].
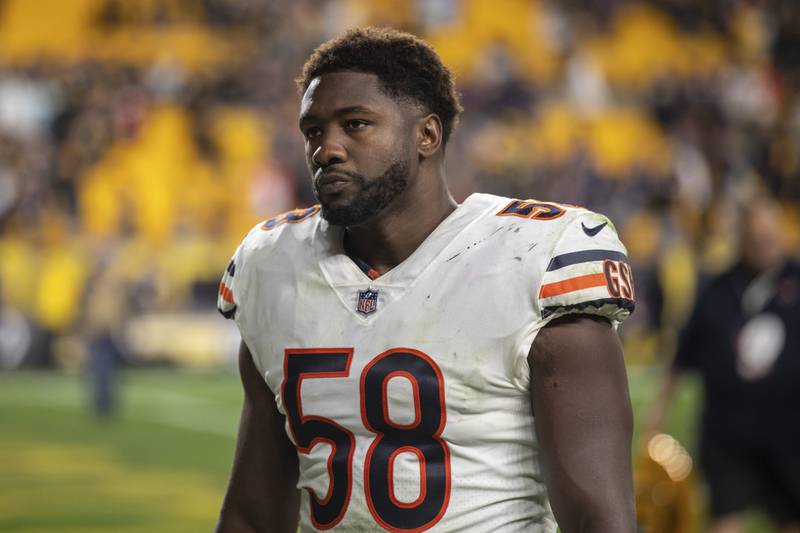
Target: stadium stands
[145,137]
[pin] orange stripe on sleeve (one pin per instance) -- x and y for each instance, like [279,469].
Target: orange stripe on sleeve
[226,293]
[572,284]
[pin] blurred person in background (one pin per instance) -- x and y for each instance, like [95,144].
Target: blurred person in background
[104,312]
[743,338]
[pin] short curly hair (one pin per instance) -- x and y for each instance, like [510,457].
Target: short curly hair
[407,67]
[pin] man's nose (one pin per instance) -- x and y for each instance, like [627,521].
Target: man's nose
[329,152]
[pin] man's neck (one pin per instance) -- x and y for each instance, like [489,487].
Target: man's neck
[390,238]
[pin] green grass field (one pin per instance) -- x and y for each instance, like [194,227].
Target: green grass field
[162,464]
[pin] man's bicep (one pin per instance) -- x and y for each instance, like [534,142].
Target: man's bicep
[262,492]
[583,420]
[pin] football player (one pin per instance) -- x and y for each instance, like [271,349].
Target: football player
[412,364]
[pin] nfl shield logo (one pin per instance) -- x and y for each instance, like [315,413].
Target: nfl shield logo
[367,301]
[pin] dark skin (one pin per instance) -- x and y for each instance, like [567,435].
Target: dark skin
[262,494]
[583,418]
[351,125]
[579,387]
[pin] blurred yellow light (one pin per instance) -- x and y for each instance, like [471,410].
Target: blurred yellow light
[669,453]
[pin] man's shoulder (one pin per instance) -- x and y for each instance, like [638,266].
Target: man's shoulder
[549,222]
[569,258]
[582,262]
[275,241]
[293,229]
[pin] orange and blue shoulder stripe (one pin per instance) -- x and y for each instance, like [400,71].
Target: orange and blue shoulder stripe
[612,272]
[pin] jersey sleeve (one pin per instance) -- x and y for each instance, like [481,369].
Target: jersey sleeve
[226,297]
[587,272]
[231,287]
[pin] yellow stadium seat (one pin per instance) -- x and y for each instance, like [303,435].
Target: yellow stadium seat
[64,274]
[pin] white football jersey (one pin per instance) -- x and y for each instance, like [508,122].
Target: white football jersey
[408,396]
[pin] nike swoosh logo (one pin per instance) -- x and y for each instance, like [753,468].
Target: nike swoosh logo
[591,232]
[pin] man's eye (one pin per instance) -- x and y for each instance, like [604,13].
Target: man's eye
[355,124]
[312,133]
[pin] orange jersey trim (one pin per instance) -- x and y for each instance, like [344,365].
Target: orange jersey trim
[226,293]
[572,284]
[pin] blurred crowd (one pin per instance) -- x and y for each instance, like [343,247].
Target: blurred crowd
[140,139]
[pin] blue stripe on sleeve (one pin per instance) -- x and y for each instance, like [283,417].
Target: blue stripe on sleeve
[584,256]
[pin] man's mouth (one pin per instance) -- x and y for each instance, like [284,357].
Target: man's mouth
[330,178]
[332,181]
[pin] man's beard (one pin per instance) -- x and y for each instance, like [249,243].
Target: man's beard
[372,197]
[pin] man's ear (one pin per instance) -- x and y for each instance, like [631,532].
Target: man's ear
[429,130]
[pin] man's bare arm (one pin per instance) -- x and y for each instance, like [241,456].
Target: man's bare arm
[262,493]
[584,423]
